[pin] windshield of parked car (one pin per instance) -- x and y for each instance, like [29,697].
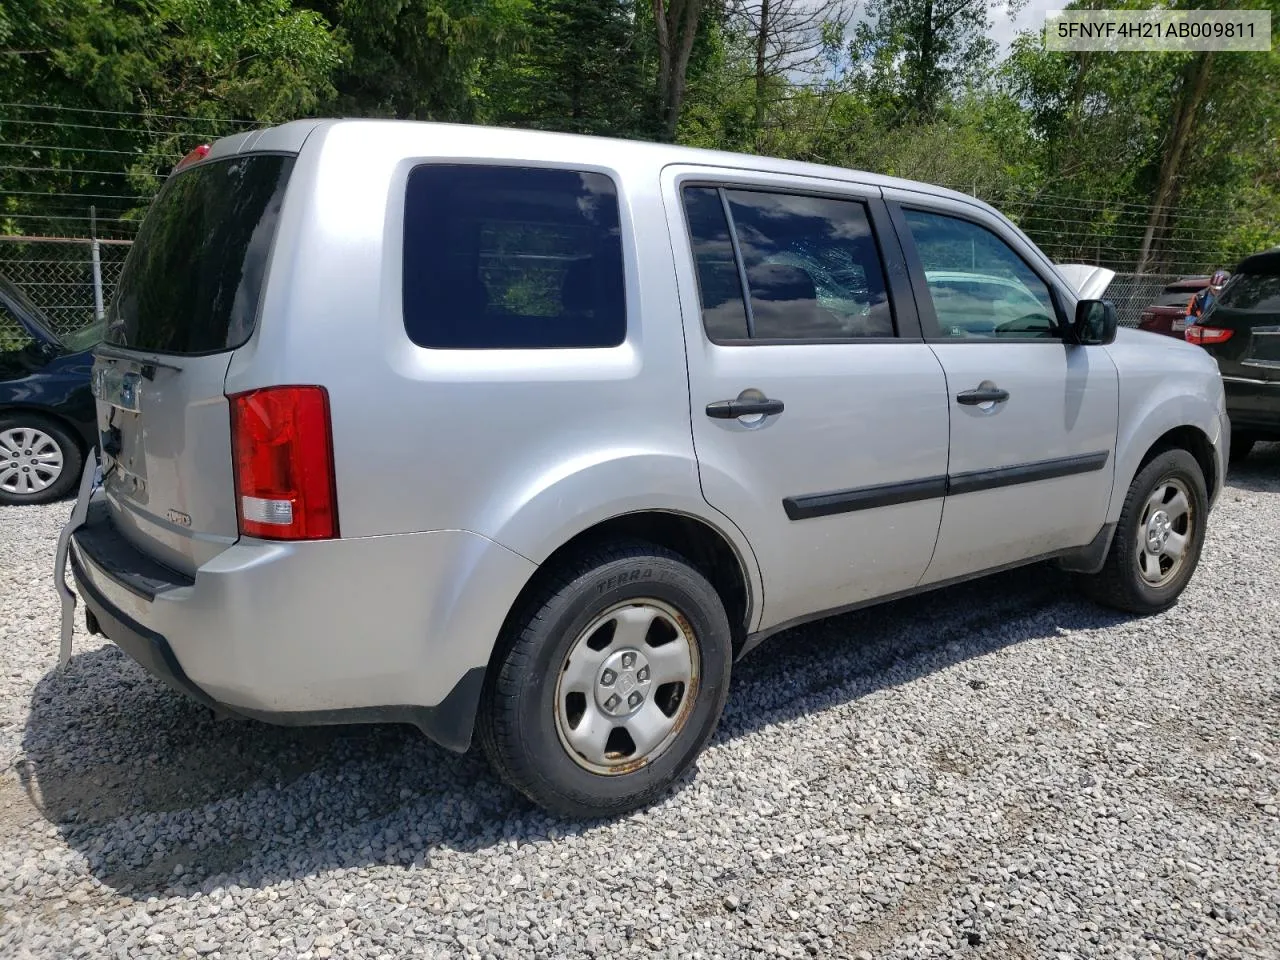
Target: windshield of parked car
[31,314]
[84,337]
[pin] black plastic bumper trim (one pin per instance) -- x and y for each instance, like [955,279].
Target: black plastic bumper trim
[148,648]
[120,560]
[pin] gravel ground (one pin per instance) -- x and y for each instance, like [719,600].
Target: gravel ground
[997,770]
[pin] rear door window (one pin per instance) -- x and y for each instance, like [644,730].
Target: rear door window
[512,257]
[811,265]
[193,278]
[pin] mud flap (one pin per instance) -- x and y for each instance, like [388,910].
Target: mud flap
[89,482]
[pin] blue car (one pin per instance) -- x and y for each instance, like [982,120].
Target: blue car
[46,407]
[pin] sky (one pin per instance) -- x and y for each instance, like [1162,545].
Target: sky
[1004,29]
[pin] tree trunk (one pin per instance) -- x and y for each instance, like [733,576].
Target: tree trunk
[762,47]
[924,108]
[676,23]
[663,30]
[1194,83]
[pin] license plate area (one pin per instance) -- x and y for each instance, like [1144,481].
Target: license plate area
[118,388]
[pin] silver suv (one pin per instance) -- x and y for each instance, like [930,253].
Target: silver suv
[524,438]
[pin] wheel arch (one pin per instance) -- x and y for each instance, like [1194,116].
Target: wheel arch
[1179,421]
[711,551]
[1193,440]
[45,413]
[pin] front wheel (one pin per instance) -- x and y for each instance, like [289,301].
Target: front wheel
[1158,537]
[610,683]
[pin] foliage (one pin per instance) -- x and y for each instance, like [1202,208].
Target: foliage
[421,59]
[203,60]
[1169,158]
[579,68]
[915,52]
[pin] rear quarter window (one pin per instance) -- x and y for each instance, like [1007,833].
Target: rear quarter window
[512,257]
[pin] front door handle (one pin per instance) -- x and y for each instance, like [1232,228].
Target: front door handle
[971,398]
[732,409]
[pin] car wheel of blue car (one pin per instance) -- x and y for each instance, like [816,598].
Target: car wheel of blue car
[40,460]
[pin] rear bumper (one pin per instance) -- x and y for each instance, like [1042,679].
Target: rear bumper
[148,648]
[344,631]
[1253,405]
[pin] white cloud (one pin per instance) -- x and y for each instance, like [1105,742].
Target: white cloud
[1031,17]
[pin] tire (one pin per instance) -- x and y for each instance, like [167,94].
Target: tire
[26,477]
[1134,578]
[1241,447]
[563,656]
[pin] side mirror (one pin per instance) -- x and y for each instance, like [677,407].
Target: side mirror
[1095,323]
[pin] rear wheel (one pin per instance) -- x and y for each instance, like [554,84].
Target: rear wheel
[40,460]
[1158,537]
[610,684]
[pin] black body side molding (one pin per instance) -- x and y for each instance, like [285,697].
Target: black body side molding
[863,498]
[807,505]
[977,480]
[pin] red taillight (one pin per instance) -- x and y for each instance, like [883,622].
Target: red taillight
[282,452]
[1206,335]
[199,153]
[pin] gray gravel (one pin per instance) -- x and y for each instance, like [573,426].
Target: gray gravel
[998,770]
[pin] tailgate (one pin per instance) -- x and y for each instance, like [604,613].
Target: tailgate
[1249,306]
[165,436]
[188,296]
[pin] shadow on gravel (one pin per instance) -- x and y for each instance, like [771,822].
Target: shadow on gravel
[1259,472]
[162,797]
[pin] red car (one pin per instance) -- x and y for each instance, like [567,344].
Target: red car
[1168,315]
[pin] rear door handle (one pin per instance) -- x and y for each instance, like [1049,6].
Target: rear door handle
[732,409]
[971,398]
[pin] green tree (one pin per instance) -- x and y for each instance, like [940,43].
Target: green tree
[421,59]
[579,68]
[918,53]
[1166,161]
[675,24]
[203,60]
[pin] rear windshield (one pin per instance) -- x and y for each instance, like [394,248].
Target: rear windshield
[192,280]
[1252,291]
[1174,298]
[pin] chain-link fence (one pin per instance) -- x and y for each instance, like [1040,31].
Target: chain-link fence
[58,275]
[1134,292]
